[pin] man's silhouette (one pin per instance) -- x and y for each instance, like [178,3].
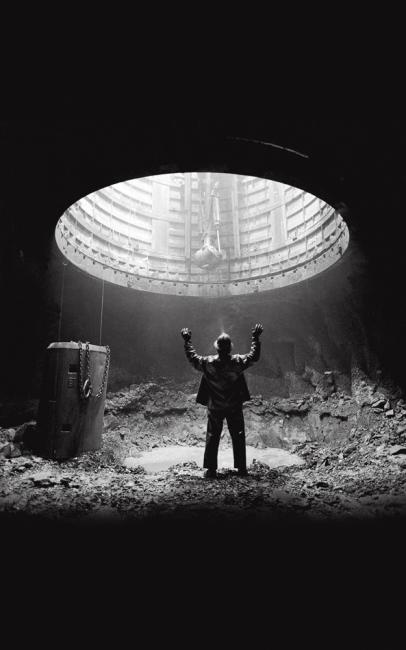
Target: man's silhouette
[223,390]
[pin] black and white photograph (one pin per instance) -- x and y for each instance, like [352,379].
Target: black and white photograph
[203,342]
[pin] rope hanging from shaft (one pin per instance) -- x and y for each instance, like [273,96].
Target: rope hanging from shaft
[101,311]
[64,264]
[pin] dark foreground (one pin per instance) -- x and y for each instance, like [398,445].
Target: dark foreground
[96,530]
[286,556]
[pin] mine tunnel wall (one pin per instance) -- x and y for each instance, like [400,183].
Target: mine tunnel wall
[309,329]
[350,317]
[312,328]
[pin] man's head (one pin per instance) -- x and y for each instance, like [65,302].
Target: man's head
[223,344]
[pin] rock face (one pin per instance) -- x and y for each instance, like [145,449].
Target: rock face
[354,458]
[165,412]
[10,450]
[111,422]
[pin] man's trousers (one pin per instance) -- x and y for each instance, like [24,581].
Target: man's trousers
[235,423]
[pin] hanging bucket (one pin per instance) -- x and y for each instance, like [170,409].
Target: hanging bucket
[70,416]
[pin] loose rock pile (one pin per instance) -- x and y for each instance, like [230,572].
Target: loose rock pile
[354,449]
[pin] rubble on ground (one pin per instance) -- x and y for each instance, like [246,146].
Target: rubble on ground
[354,448]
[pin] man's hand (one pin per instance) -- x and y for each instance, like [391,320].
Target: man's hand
[186,334]
[257,331]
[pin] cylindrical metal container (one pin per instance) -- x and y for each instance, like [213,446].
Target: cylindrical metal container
[70,415]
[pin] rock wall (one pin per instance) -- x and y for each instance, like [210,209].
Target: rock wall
[314,332]
[153,414]
[161,413]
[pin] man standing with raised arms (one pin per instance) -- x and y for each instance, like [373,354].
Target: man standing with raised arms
[223,390]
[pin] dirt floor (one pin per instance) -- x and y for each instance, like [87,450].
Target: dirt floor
[358,476]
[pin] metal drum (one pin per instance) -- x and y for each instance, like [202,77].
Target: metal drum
[70,415]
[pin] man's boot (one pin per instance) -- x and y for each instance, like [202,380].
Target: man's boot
[211,473]
[242,472]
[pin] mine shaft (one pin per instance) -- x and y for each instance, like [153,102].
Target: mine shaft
[105,423]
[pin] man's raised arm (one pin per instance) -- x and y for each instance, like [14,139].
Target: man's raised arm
[196,360]
[255,351]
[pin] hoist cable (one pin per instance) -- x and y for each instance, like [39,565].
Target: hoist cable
[101,311]
[64,264]
[62,294]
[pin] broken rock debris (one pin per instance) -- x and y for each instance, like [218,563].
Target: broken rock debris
[353,447]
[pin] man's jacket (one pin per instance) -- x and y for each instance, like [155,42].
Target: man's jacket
[223,383]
